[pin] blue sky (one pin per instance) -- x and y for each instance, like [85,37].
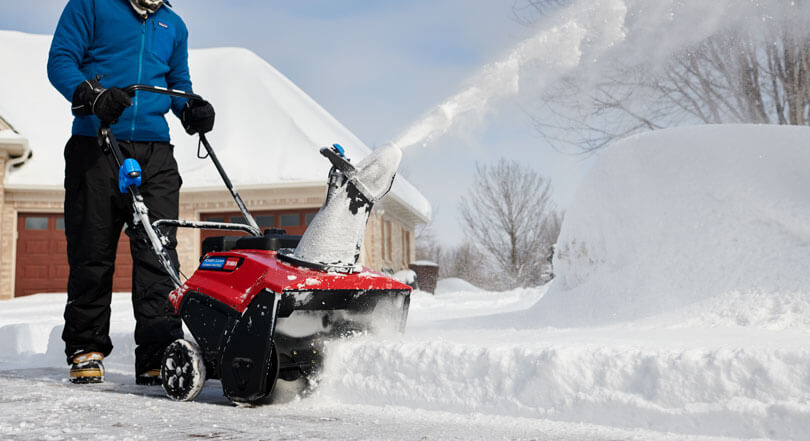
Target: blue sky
[377,66]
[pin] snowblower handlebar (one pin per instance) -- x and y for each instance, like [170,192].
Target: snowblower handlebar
[130,90]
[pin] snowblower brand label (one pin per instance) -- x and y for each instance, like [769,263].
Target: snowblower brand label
[220,263]
[231,263]
[213,263]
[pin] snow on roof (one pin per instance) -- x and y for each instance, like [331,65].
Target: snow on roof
[15,144]
[268,131]
[695,217]
[4,125]
[7,135]
[35,109]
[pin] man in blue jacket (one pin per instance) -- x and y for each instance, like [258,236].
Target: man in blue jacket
[98,47]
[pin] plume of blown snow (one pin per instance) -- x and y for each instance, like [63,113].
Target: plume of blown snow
[586,39]
[581,32]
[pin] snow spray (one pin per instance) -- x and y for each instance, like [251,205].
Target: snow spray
[579,33]
[582,39]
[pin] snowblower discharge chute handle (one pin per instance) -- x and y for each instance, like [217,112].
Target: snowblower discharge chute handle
[337,156]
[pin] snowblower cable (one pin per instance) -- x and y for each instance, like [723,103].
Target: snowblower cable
[229,185]
[200,155]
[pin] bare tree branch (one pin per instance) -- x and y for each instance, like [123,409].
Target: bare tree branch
[756,70]
[509,217]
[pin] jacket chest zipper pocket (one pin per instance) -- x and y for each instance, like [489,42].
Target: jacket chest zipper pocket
[162,40]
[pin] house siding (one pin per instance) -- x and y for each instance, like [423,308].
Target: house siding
[8,228]
[385,246]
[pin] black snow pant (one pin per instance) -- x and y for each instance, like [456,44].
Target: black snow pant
[95,213]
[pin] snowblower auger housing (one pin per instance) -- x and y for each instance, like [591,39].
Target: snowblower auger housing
[257,318]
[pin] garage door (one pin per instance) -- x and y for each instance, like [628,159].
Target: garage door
[42,257]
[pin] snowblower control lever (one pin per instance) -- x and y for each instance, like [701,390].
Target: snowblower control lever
[238,199]
[129,174]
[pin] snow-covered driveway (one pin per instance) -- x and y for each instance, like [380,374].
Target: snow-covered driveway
[461,371]
[37,404]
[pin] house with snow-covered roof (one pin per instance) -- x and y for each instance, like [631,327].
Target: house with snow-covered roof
[271,153]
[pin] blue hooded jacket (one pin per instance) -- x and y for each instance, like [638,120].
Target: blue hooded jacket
[107,38]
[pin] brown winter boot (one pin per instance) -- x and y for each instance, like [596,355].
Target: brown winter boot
[87,368]
[149,378]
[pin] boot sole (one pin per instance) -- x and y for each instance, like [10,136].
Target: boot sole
[148,381]
[86,380]
[86,376]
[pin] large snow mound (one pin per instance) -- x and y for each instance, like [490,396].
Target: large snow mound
[711,218]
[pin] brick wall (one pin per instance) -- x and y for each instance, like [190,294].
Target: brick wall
[187,238]
[6,238]
[388,243]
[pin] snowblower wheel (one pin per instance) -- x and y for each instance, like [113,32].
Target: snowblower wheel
[182,370]
[272,376]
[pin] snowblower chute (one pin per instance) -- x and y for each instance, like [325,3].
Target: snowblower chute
[260,307]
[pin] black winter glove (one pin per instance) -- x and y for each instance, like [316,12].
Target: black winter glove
[197,116]
[107,104]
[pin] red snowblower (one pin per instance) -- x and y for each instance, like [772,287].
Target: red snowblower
[261,306]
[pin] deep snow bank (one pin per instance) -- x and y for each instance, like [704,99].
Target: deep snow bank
[684,216]
[460,355]
[743,383]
